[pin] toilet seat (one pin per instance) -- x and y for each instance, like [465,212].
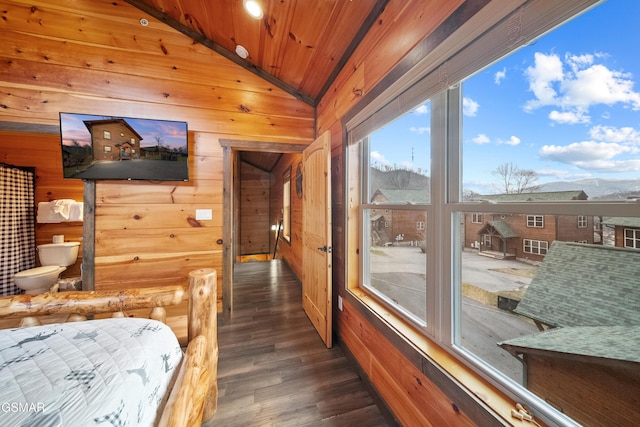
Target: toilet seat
[38,271]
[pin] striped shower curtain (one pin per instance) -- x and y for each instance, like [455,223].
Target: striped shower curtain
[17,225]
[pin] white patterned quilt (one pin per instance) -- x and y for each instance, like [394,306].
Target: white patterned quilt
[111,372]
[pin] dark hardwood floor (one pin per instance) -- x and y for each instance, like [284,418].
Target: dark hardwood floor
[274,370]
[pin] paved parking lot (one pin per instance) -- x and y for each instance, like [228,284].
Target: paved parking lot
[399,272]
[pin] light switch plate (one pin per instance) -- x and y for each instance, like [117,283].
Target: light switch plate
[204,214]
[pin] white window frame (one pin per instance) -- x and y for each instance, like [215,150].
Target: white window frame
[535,247]
[535,221]
[634,239]
[106,134]
[582,221]
[476,218]
[441,69]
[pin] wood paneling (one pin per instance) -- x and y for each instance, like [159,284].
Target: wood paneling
[413,398]
[255,228]
[298,45]
[93,56]
[290,251]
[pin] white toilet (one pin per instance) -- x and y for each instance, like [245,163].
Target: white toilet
[54,258]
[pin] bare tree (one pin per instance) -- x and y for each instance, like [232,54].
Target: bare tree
[514,180]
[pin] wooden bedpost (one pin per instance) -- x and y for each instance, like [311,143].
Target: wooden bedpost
[203,321]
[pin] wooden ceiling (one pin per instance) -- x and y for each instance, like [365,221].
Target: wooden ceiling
[298,45]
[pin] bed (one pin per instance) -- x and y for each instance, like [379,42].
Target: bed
[119,371]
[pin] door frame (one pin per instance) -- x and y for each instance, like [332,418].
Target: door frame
[230,149]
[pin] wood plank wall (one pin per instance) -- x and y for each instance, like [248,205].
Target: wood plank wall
[93,56]
[410,394]
[291,251]
[255,227]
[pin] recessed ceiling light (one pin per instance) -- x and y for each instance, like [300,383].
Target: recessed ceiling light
[254,8]
[242,52]
[144,22]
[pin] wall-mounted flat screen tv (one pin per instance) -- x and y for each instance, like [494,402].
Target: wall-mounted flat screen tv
[123,148]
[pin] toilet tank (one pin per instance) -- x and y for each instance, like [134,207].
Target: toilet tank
[60,254]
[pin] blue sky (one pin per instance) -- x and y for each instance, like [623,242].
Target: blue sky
[170,133]
[566,106]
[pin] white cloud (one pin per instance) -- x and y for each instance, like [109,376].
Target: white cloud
[469,107]
[513,140]
[376,157]
[576,85]
[546,71]
[582,152]
[569,117]
[481,139]
[423,109]
[611,149]
[622,135]
[577,62]
[499,76]
[599,85]
[420,130]
[631,165]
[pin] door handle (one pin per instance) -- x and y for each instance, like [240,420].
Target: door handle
[326,248]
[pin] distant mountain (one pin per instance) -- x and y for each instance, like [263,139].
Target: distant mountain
[597,188]
[397,179]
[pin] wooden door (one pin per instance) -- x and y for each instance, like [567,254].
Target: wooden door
[316,235]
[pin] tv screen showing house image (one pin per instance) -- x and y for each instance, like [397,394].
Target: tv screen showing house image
[123,148]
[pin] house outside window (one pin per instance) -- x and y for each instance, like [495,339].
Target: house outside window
[476,218]
[106,134]
[535,221]
[463,128]
[420,225]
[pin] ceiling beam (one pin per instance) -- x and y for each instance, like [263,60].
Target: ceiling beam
[200,38]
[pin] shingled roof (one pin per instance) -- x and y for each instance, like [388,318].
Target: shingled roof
[622,221]
[620,343]
[500,227]
[541,196]
[403,196]
[590,293]
[585,285]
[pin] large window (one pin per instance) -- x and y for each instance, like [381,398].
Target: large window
[395,202]
[518,152]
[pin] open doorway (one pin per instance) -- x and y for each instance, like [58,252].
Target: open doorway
[269,215]
[253,207]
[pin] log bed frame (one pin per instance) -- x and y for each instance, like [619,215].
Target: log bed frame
[193,398]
